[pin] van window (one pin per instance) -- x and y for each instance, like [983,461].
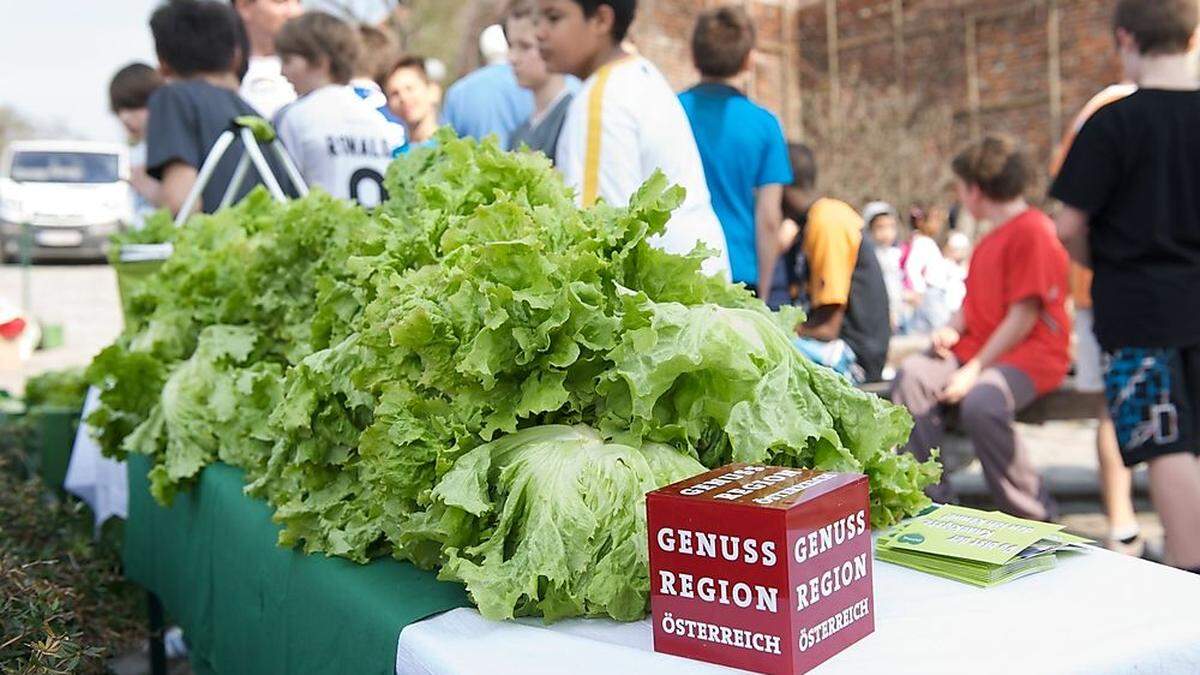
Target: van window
[64,167]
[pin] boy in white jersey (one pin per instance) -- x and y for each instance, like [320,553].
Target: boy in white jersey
[625,122]
[339,143]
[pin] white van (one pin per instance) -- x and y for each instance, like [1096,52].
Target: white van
[72,194]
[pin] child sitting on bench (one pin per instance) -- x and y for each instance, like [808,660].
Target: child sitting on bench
[1008,344]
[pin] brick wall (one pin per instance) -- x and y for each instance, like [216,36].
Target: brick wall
[663,31]
[962,66]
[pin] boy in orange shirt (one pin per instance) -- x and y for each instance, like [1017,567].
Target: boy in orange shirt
[849,317]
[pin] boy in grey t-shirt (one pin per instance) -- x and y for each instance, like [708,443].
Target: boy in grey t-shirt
[197,45]
[552,92]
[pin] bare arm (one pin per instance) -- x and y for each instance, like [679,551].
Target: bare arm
[768,220]
[178,179]
[957,322]
[1015,327]
[947,336]
[1072,225]
[144,185]
[789,232]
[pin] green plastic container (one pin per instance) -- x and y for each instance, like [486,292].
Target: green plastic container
[13,441]
[52,336]
[130,277]
[54,436]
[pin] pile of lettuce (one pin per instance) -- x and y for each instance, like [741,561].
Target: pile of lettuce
[478,377]
[57,389]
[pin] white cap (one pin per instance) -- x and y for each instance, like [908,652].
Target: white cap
[493,45]
[875,209]
[435,70]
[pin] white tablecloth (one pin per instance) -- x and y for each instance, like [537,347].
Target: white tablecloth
[97,480]
[1097,612]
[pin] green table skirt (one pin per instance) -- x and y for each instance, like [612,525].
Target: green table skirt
[248,606]
[55,436]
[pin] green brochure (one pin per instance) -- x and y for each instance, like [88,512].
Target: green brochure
[975,573]
[969,534]
[976,547]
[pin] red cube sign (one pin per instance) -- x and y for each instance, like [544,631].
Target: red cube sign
[761,568]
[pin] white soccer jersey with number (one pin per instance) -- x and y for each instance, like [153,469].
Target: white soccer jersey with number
[340,143]
[625,123]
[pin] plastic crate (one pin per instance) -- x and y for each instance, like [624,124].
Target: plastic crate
[130,277]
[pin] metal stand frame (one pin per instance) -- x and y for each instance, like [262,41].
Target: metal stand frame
[244,129]
[251,131]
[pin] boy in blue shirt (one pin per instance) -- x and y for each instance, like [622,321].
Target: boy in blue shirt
[743,150]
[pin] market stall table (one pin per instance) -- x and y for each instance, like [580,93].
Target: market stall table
[248,606]
[1098,612]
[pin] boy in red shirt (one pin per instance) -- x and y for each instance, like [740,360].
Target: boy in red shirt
[1010,342]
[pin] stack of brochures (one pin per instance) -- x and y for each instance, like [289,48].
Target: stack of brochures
[976,547]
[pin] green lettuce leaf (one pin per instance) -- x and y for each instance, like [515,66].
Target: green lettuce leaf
[729,383]
[57,388]
[478,376]
[214,405]
[561,514]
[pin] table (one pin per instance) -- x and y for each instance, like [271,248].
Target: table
[248,606]
[1097,612]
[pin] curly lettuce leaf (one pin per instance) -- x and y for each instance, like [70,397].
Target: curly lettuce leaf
[729,383]
[561,515]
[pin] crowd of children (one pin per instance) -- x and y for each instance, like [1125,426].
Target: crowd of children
[561,78]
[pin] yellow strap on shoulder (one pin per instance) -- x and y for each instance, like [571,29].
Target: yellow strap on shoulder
[591,158]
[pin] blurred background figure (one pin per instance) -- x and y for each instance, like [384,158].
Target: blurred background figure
[435,69]
[884,229]
[1116,480]
[957,256]
[843,290]
[378,53]
[1008,345]
[414,98]
[924,269]
[129,99]
[339,142]
[489,100]
[552,92]
[197,42]
[263,85]
[743,150]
